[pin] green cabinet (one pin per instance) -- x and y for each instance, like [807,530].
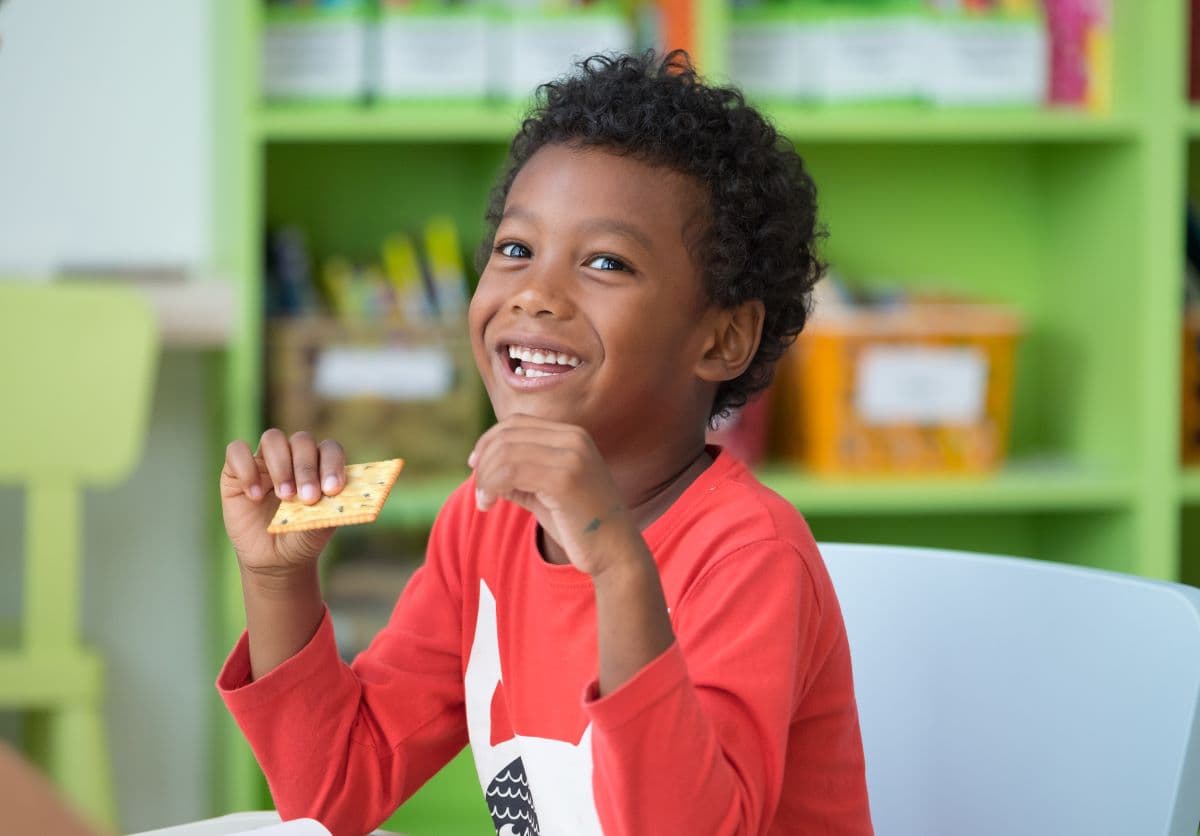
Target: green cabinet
[1074,218]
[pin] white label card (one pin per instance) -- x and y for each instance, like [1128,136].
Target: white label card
[921,385]
[391,373]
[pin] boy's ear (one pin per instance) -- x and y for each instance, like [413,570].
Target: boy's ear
[733,341]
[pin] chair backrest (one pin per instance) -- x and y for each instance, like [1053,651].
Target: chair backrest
[1008,696]
[76,371]
[77,366]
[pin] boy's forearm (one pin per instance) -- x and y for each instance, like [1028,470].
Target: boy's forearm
[632,623]
[282,615]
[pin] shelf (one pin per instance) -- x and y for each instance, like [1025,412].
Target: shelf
[915,123]
[1022,487]
[446,122]
[496,122]
[1192,122]
[1189,485]
[1033,486]
[415,501]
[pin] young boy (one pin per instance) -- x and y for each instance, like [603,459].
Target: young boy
[632,633]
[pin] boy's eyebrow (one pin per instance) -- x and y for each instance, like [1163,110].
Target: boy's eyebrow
[614,225]
[618,227]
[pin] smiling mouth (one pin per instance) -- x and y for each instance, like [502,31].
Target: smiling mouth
[531,361]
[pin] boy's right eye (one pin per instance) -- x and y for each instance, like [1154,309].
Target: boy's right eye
[511,249]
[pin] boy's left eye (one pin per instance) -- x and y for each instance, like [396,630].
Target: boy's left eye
[513,250]
[607,262]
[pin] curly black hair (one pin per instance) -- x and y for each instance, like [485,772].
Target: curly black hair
[762,233]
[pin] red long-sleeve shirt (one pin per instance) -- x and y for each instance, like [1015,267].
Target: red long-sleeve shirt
[746,725]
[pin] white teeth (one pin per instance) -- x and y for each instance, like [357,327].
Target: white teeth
[540,356]
[520,371]
[536,373]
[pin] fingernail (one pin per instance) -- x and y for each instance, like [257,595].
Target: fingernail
[255,492]
[309,492]
[331,484]
[471,459]
[480,498]
[286,489]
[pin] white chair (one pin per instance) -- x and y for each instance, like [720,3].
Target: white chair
[1021,698]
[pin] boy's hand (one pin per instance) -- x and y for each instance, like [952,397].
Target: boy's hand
[252,485]
[555,471]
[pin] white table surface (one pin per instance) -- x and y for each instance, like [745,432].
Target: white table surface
[244,822]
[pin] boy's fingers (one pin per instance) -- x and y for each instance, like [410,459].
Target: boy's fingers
[277,454]
[304,466]
[242,469]
[527,467]
[333,466]
[545,433]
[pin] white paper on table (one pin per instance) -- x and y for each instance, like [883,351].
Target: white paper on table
[296,827]
[256,823]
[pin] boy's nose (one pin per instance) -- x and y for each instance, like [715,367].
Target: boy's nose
[542,294]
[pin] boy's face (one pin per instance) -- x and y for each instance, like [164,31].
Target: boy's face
[590,310]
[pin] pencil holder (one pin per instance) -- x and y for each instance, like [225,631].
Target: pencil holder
[922,389]
[316,52]
[381,389]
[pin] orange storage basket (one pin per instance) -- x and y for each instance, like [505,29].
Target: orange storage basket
[919,389]
[1191,386]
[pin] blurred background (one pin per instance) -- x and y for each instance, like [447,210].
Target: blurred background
[1003,357]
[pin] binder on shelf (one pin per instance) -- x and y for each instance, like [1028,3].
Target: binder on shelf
[316,52]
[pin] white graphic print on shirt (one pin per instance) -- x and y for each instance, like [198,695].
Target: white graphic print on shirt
[533,785]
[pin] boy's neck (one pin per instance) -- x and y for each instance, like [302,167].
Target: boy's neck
[648,493]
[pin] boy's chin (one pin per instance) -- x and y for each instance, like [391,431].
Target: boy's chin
[532,408]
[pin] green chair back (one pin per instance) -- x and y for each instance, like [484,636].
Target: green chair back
[77,364]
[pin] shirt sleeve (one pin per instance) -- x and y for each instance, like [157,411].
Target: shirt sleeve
[695,742]
[347,744]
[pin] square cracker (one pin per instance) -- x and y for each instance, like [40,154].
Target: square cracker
[360,501]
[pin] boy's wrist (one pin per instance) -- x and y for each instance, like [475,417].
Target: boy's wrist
[280,583]
[625,555]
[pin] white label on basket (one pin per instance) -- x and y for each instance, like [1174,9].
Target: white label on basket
[391,373]
[921,385]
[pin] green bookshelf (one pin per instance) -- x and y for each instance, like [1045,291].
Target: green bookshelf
[1072,218]
[1189,486]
